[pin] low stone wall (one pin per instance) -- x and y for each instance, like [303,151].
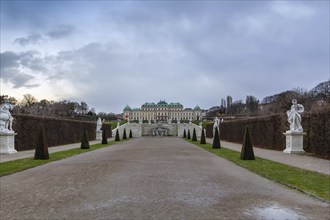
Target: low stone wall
[173,129]
[58,131]
[135,127]
[190,127]
[267,132]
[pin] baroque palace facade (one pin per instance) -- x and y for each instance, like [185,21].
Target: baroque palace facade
[162,111]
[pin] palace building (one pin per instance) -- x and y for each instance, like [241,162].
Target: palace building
[162,111]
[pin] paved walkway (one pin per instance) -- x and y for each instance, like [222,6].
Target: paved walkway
[150,178]
[304,162]
[301,161]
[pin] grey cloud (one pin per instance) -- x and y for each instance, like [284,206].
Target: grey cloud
[163,49]
[22,80]
[61,31]
[11,68]
[30,39]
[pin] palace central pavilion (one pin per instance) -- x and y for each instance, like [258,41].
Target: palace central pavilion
[162,111]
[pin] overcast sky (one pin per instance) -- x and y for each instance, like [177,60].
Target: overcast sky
[113,53]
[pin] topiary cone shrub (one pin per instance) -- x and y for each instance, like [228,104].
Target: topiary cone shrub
[104,137]
[184,133]
[124,134]
[84,141]
[216,140]
[117,138]
[203,141]
[247,148]
[130,133]
[188,136]
[41,152]
[194,138]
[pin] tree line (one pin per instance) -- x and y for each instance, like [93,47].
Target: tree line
[317,99]
[64,109]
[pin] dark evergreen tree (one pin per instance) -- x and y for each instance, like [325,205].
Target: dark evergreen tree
[216,140]
[194,137]
[117,138]
[184,133]
[188,136]
[130,133]
[247,148]
[41,152]
[124,134]
[203,141]
[104,136]
[84,141]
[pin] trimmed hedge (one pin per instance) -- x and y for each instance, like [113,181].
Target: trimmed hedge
[267,132]
[58,131]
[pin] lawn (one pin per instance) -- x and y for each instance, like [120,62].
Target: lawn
[309,182]
[26,163]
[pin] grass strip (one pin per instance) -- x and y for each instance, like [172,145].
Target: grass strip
[26,163]
[312,183]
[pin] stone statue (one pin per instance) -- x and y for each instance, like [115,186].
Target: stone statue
[216,124]
[6,120]
[294,117]
[98,124]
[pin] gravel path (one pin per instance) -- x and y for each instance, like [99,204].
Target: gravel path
[150,178]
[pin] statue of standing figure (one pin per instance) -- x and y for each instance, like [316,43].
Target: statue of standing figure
[98,124]
[294,117]
[216,124]
[6,120]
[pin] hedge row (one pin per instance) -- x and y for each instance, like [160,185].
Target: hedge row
[58,131]
[267,132]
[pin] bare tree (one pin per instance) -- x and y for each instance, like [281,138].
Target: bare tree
[28,100]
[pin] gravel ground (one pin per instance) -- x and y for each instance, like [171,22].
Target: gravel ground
[150,178]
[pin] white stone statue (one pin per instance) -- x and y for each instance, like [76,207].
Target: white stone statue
[98,124]
[294,117]
[200,124]
[6,120]
[216,124]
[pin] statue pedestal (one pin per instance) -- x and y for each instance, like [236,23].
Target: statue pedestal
[294,142]
[99,135]
[7,143]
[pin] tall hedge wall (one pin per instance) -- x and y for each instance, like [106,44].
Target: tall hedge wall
[267,132]
[58,131]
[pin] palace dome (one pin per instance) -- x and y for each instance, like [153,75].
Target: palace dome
[162,103]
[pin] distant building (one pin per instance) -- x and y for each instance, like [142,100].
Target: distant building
[162,111]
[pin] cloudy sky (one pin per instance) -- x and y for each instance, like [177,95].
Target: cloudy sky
[113,53]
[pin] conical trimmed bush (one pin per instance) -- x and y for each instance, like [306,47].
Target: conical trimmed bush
[130,133]
[104,137]
[184,133]
[203,141]
[117,138]
[188,136]
[216,140]
[124,134]
[84,141]
[247,148]
[194,137]
[41,146]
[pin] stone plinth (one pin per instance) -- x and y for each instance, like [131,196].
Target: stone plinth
[294,142]
[7,143]
[99,135]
